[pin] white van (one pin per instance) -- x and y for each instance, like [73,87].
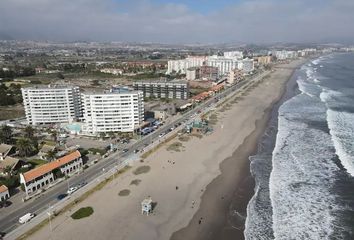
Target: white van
[26,218]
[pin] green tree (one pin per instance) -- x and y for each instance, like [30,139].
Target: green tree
[29,132]
[51,155]
[5,134]
[54,135]
[24,146]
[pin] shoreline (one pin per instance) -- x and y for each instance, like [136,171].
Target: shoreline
[228,221]
[177,179]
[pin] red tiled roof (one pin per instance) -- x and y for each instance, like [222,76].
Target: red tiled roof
[48,167]
[3,188]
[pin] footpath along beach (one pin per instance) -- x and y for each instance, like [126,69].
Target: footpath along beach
[192,183]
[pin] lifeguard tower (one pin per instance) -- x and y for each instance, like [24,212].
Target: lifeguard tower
[146,206]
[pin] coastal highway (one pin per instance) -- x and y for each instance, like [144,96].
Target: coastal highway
[10,221]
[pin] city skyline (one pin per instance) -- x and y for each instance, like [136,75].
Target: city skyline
[172,21]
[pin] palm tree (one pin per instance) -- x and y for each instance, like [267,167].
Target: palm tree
[51,155]
[7,170]
[5,134]
[29,132]
[24,146]
[54,135]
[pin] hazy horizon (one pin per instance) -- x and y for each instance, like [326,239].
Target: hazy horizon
[178,22]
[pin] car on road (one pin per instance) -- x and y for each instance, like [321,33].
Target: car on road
[5,204]
[26,218]
[161,135]
[72,190]
[62,196]
[125,150]
[80,185]
[136,150]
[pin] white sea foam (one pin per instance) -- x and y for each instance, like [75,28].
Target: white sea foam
[341,125]
[302,174]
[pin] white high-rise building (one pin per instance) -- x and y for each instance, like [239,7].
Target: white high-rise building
[246,65]
[113,111]
[225,65]
[51,104]
[181,66]
[234,54]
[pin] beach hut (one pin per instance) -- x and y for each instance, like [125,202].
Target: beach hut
[146,206]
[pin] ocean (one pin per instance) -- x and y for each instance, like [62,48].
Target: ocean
[304,167]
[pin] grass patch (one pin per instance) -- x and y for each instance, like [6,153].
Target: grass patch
[135,182]
[82,213]
[176,146]
[124,192]
[142,170]
[184,138]
[11,112]
[37,162]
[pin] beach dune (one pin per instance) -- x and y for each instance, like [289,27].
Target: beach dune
[191,186]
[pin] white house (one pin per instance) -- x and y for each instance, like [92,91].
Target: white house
[42,176]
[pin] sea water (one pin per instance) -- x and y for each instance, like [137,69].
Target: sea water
[305,177]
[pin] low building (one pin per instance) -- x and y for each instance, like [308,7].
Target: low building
[12,163]
[163,89]
[203,72]
[4,193]
[113,71]
[44,175]
[43,152]
[5,149]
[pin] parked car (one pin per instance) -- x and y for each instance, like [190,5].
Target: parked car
[72,190]
[26,218]
[125,150]
[136,150]
[62,196]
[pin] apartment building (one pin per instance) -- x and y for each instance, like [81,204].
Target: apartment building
[163,89]
[113,111]
[181,66]
[235,76]
[51,104]
[203,72]
[42,176]
[246,65]
[224,65]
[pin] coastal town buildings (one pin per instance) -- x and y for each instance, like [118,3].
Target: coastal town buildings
[163,89]
[114,71]
[42,176]
[112,111]
[4,193]
[51,104]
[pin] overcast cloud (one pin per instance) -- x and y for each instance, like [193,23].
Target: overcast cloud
[255,21]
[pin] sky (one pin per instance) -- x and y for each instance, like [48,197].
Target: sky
[183,21]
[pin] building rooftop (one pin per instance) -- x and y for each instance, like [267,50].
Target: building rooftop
[3,188]
[50,86]
[5,148]
[9,162]
[46,168]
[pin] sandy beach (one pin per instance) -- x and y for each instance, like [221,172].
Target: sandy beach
[192,188]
